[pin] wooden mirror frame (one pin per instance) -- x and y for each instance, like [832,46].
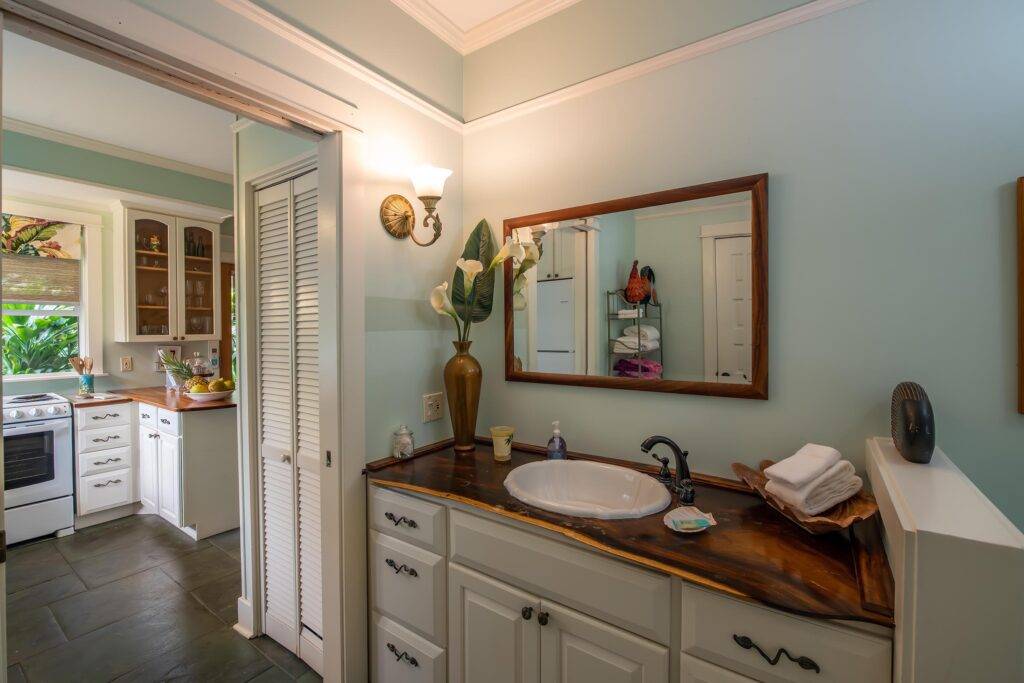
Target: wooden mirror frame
[757,185]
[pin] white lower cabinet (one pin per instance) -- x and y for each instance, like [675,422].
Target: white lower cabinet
[149,466]
[516,606]
[170,478]
[104,457]
[493,632]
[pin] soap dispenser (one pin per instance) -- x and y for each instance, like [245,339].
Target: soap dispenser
[556,446]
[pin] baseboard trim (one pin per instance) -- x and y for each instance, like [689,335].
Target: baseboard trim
[245,624]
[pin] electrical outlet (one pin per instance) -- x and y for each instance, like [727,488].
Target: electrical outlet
[432,407]
[126,364]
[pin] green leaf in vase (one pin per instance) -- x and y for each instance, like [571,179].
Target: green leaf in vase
[479,247]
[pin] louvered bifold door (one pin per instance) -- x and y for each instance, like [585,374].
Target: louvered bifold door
[275,386]
[307,407]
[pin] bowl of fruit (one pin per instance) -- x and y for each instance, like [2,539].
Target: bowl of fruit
[202,390]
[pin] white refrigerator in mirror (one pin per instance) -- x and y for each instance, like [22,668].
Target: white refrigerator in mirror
[555,346]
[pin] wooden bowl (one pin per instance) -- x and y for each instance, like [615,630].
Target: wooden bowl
[861,506]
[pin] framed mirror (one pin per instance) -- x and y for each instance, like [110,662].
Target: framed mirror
[665,291]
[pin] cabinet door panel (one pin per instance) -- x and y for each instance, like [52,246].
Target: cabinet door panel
[578,649]
[198,262]
[491,638]
[149,449]
[152,270]
[170,471]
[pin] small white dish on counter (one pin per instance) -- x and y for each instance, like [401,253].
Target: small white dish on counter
[208,396]
[581,488]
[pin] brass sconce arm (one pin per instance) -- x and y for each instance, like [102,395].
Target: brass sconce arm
[432,217]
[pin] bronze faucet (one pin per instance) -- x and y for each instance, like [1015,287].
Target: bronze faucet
[682,484]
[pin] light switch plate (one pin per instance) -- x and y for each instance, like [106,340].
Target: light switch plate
[432,407]
[126,364]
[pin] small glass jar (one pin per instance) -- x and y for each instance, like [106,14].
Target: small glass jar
[402,444]
[199,365]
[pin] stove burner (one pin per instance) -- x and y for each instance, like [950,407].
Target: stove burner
[28,398]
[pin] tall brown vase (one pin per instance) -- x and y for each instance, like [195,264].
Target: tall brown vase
[462,377]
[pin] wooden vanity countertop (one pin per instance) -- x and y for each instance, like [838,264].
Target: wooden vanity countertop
[169,400]
[753,553]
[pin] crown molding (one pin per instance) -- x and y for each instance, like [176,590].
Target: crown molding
[72,140]
[271,22]
[686,210]
[485,33]
[742,34]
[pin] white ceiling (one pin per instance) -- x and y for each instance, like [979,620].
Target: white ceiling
[51,88]
[468,25]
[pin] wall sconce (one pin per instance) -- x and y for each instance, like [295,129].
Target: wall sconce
[396,212]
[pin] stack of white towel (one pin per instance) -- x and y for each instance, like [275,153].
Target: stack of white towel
[637,338]
[813,480]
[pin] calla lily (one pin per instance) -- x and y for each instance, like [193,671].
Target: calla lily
[518,301]
[510,249]
[440,301]
[532,252]
[470,269]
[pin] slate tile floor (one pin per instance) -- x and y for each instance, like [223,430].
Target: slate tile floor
[134,600]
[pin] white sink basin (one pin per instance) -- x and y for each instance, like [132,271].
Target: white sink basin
[580,488]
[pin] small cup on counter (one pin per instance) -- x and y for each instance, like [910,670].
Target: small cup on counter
[502,441]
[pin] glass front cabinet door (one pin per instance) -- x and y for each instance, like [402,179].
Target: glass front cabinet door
[166,284]
[198,249]
[152,270]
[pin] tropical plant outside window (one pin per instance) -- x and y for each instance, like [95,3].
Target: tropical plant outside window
[41,295]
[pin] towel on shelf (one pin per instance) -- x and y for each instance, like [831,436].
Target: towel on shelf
[628,313]
[645,332]
[828,489]
[804,466]
[644,368]
[633,345]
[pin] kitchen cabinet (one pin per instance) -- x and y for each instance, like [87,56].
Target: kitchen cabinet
[165,274]
[558,257]
[149,464]
[169,458]
[104,455]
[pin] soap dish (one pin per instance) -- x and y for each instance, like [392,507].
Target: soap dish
[688,520]
[861,506]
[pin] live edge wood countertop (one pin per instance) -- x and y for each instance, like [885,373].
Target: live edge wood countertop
[169,400]
[753,553]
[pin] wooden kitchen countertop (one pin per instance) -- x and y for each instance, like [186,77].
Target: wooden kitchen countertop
[753,553]
[169,400]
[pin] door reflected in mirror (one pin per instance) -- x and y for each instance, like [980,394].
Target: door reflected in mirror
[661,293]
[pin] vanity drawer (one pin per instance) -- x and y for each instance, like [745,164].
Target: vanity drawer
[168,421]
[389,641]
[103,416]
[408,584]
[148,416]
[693,670]
[417,521]
[105,460]
[104,490]
[635,599]
[712,623]
[103,438]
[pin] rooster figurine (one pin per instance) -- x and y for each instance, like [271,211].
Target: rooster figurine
[637,288]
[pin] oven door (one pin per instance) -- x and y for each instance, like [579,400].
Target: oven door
[37,462]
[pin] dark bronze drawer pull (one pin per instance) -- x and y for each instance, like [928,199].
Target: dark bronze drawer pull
[527,613]
[165,420]
[399,656]
[106,483]
[803,662]
[401,568]
[390,516]
[105,439]
[542,618]
[104,462]
[145,415]
[105,416]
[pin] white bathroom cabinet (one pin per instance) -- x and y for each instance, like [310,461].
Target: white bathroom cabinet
[166,276]
[463,595]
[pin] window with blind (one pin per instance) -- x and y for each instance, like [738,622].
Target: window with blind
[42,294]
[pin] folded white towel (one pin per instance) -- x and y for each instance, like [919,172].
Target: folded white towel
[628,313]
[632,345]
[645,332]
[804,466]
[830,488]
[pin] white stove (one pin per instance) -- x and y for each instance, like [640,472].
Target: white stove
[31,407]
[38,466]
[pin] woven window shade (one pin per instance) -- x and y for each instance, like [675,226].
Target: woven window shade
[39,279]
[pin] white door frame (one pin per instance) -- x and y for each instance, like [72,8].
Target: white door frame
[709,287]
[137,41]
[3,524]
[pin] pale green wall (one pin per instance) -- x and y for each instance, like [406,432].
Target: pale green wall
[593,37]
[54,158]
[615,247]
[383,37]
[892,133]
